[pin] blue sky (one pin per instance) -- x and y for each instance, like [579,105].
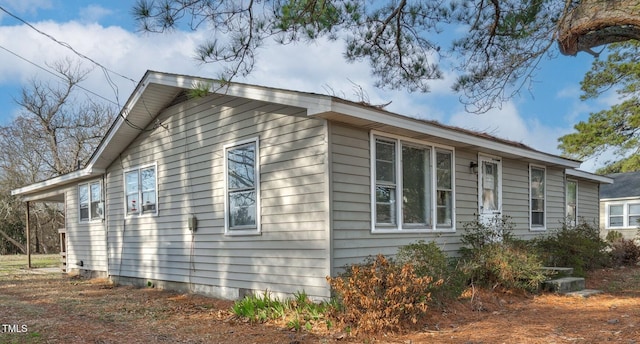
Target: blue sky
[105,31]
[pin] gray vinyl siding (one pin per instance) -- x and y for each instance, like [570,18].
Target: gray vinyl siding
[86,241]
[291,252]
[515,195]
[353,240]
[588,202]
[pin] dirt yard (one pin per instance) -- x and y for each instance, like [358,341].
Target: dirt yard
[38,307]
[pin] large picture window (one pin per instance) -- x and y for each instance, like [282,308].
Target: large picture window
[242,192]
[538,196]
[141,191]
[420,177]
[90,201]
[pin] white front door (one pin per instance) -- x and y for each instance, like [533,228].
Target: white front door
[489,188]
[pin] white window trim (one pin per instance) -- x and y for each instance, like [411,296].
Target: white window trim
[124,189]
[253,230]
[531,226]
[625,214]
[101,206]
[566,198]
[399,226]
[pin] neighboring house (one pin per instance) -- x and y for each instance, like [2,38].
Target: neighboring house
[620,204]
[253,188]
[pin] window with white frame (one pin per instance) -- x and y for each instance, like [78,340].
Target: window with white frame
[623,215]
[242,187]
[141,191]
[633,215]
[538,197]
[616,215]
[572,201]
[90,201]
[419,175]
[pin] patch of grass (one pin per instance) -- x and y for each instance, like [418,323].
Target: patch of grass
[298,312]
[13,263]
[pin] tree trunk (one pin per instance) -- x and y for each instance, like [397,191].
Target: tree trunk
[13,241]
[592,23]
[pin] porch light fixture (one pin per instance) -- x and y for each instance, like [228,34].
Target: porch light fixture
[473,167]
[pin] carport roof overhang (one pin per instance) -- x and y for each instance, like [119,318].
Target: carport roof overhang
[49,190]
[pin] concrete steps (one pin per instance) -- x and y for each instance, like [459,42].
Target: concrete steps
[562,282]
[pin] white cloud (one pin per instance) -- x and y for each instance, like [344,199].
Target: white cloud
[507,123]
[318,68]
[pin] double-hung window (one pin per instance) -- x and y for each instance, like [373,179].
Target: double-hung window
[538,196]
[90,201]
[572,201]
[141,191]
[242,188]
[623,215]
[413,185]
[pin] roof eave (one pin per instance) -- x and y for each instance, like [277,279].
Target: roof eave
[408,123]
[57,181]
[590,176]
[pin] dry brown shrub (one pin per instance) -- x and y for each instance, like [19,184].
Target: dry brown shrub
[381,296]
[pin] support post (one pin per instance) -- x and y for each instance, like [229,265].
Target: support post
[28,239]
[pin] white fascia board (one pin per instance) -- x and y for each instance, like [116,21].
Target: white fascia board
[314,103]
[57,181]
[449,134]
[620,199]
[117,124]
[589,176]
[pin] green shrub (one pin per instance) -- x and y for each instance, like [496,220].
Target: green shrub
[478,233]
[577,246]
[613,236]
[624,252]
[493,257]
[429,260]
[505,265]
[380,295]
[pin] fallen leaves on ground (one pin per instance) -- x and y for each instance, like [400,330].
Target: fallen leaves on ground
[57,308]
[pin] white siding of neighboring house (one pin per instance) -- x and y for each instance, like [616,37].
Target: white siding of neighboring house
[292,252]
[630,231]
[86,241]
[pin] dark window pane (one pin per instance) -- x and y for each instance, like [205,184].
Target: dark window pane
[385,161]
[385,205]
[131,180]
[133,204]
[444,207]
[415,206]
[241,167]
[242,208]
[615,221]
[615,209]
[537,219]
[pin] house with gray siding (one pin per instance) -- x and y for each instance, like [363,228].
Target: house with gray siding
[620,205]
[251,188]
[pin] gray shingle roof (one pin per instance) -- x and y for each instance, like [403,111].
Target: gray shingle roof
[624,185]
